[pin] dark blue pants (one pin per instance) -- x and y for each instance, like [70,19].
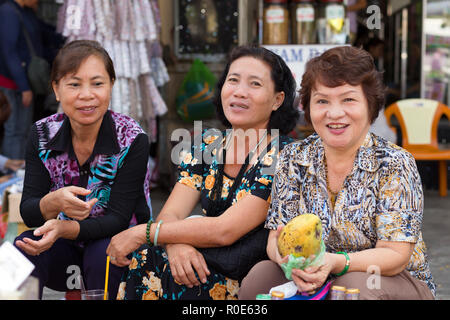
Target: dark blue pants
[17,126]
[58,267]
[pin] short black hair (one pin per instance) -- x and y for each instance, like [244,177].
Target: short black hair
[286,116]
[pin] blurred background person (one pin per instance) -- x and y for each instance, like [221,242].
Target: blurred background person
[14,58]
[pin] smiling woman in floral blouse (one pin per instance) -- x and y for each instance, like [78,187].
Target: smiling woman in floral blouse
[254,96]
[366,190]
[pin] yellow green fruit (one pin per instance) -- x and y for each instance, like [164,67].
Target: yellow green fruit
[301,236]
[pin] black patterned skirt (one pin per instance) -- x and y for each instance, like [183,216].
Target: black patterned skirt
[148,277]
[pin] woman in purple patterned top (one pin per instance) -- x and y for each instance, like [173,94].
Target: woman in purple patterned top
[86,175]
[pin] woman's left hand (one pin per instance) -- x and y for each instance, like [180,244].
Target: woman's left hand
[50,232]
[124,243]
[312,278]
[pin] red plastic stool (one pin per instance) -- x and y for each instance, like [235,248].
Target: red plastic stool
[73,295]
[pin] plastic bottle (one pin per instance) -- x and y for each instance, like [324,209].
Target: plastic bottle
[277,295]
[337,293]
[352,294]
[263,296]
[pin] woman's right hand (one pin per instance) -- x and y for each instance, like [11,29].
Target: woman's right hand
[27,97]
[66,200]
[183,260]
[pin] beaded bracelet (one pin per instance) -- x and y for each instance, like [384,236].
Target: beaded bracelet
[149,223]
[347,264]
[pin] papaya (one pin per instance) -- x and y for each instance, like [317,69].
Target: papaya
[301,236]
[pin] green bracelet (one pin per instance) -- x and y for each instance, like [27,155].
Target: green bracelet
[347,264]
[149,223]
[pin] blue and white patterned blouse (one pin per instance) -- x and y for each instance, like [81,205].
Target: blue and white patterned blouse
[381,199]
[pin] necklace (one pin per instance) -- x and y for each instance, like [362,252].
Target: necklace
[333,194]
[216,193]
[250,154]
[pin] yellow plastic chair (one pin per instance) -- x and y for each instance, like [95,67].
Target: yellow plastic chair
[419,120]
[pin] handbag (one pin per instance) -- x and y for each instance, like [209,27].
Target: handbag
[38,69]
[38,73]
[236,260]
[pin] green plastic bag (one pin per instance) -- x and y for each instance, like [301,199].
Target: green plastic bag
[195,97]
[302,263]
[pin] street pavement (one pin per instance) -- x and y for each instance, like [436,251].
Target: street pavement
[435,229]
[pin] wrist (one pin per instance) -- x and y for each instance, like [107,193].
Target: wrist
[68,229]
[47,209]
[343,264]
[338,263]
[141,233]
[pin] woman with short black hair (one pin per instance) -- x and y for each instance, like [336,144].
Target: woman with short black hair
[206,257]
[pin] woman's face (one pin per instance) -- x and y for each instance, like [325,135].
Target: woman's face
[248,94]
[85,94]
[340,116]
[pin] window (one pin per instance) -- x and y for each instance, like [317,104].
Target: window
[205,29]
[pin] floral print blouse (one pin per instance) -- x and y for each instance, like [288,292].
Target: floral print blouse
[199,175]
[381,199]
[149,275]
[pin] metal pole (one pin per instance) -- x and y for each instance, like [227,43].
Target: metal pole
[404,53]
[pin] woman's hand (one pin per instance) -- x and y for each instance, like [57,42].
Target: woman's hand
[14,164]
[125,242]
[183,260]
[50,232]
[27,97]
[272,247]
[312,278]
[66,200]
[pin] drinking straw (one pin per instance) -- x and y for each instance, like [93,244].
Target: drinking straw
[105,297]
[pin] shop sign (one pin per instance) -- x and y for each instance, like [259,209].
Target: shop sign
[296,56]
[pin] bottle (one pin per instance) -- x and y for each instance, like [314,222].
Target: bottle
[331,26]
[277,295]
[263,296]
[337,293]
[352,294]
[276,22]
[303,22]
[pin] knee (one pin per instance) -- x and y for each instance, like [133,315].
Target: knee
[260,279]
[94,256]
[363,282]
[27,234]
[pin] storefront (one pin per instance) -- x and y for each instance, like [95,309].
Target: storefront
[410,33]
[296,30]
[418,34]
[417,62]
